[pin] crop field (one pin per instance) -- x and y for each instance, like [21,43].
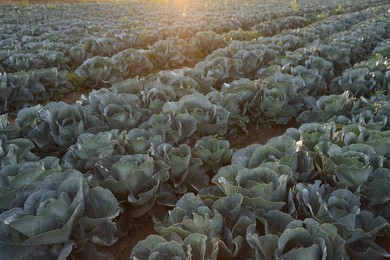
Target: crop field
[195,129]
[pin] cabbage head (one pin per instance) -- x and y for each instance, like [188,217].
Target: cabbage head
[213,232]
[57,126]
[118,111]
[213,152]
[48,216]
[299,240]
[135,178]
[211,119]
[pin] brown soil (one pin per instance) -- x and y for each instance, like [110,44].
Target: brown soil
[122,249]
[259,134]
[72,97]
[384,242]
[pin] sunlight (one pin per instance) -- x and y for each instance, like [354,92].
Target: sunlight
[181,4]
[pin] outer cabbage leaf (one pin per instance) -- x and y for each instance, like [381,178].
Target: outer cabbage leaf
[314,85]
[249,61]
[373,112]
[6,91]
[353,133]
[264,246]
[7,130]
[359,81]
[275,221]
[166,53]
[208,41]
[130,86]
[140,140]
[177,82]
[274,105]
[101,207]
[241,99]
[380,141]
[338,54]
[156,247]
[103,45]
[365,247]
[27,119]
[375,193]
[255,154]
[218,70]
[302,164]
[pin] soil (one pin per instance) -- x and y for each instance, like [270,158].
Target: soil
[259,134]
[72,97]
[122,249]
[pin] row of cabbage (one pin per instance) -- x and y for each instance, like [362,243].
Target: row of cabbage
[38,63]
[150,144]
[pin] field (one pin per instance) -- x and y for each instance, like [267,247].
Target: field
[195,129]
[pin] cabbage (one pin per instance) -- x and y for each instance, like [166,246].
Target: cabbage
[211,119]
[213,152]
[56,126]
[118,111]
[306,239]
[46,215]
